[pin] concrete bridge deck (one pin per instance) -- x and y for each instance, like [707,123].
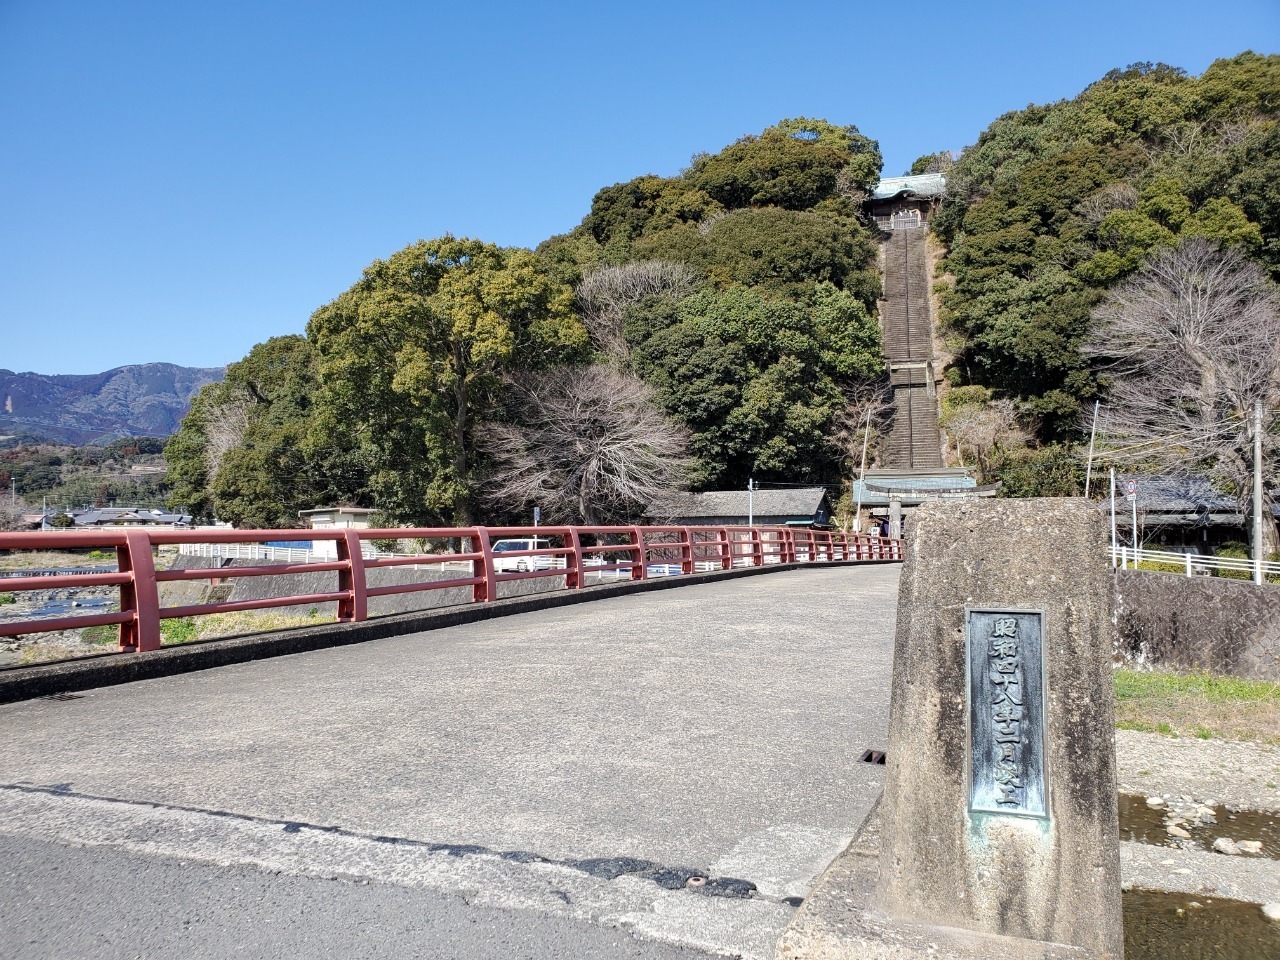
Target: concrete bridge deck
[574,765]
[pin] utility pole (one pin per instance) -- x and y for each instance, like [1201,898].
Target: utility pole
[1093,432]
[13,491]
[1257,492]
[1113,516]
[862,472]
[1133,504]
[751,502]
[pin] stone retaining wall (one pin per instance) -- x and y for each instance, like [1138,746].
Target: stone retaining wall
[257,588]
[1222,626]
[260,588]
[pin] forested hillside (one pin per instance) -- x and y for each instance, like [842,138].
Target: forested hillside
[1057,204]
[697,329]
[701,329]
[140,400]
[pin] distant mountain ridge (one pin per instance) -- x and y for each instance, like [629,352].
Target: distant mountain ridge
[139,400]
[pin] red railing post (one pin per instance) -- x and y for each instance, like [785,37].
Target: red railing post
[757,548]
[640,556]
[788,545]
[354,607]
[482,567]
[726,549]
[140,596]
[573,575]
[686,550]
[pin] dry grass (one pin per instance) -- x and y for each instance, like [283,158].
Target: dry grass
[186,629]
[1198,705]
[56,559]
[90,640]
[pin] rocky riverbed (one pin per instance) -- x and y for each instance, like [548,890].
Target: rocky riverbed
[63,601]
[1207,813]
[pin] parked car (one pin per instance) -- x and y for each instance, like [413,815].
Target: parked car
[505,564]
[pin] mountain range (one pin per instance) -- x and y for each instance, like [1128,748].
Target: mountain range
[139,400]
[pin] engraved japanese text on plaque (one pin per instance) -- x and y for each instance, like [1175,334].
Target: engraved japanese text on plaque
[1006,712]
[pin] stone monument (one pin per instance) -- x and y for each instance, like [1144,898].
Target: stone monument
[999,809]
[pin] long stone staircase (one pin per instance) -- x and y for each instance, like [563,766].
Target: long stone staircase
[914,441]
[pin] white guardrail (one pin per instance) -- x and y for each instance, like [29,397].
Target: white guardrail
[260,551]
[1190,564]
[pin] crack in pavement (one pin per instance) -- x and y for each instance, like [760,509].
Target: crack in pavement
[603,868]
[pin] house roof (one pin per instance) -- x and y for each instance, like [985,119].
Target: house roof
[103,516]
[1185,500]
[1177,495]
[922,185]
[350,511]
[803,502]
[878,489]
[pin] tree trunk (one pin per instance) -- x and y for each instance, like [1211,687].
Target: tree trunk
[462,509]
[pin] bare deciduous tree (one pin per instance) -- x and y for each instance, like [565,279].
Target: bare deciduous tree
[586,444]
[11,514]
[849,426]
[982,429]
[1189,345]
[1112,197]
[225,423]
[605,293]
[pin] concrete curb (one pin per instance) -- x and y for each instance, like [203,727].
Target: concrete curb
[110,669]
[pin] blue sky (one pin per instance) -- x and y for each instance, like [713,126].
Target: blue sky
[181,181]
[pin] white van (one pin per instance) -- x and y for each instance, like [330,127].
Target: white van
[504,564]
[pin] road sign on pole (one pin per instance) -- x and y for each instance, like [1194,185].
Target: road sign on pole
[1131,488]
[537,515]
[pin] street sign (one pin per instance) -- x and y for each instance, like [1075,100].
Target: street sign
[1131,488]
[537,515]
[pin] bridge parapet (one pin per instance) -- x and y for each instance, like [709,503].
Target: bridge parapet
[578,554]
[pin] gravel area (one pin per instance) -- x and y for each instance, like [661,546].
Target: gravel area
[1183,772]
[1243,776]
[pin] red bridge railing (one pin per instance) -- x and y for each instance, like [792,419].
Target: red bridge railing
[576,553]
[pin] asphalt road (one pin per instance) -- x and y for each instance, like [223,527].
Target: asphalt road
[548,778]
[71,902]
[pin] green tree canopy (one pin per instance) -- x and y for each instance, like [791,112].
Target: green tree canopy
[783,251]
[413,354]
[249,452]
[795,165]
[756,379]
[1056,204]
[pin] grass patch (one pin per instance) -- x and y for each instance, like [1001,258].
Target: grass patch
[6,599]
[1198,705]
[180,630]
[54,559]
[187,629]
[108,633]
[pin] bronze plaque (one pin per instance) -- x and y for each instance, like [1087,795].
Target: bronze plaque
[1006,693]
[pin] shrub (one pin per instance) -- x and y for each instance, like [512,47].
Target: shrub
[1159,566]
[7,598]
[1234,550]
[179,630]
